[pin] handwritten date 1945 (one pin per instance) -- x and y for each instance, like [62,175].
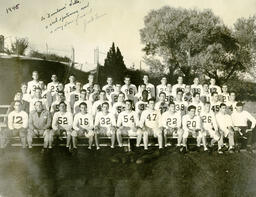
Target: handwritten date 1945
[13,8]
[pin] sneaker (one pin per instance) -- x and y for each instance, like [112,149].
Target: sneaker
[231,150]
[183,149]
[98,148]
[220,152]
[90,148]
[112,147]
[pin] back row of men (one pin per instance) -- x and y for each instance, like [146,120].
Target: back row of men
[176,113]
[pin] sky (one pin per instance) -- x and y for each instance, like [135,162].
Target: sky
[90,24]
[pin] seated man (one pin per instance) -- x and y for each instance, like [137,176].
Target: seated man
[83,125]
[209,125]
[62,123]
[105,124]
[171,124]
[18,123]
[127,123]
[39,125]
[225,126]
[149,123]
[240,119]
[192,127]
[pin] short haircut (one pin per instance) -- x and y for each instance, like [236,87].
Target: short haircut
[35,71]
[72,75]
[83,103]
[38,102]
[103,91]
[214,93]
[144,92]
[62,102]
[17,101]
[129,101]
[196,93]
[61,92]
[127,76]
[83,90]
[207,103]
[105,103]
[191,107]
[151,99]
[222,104]
[37,88]
[171,103]
[162,93]
[121,93]
[23,83]
[180,91]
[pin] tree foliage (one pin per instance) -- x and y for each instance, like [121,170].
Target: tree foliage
[192,42]
[19,46]
[114,64]
[49,56]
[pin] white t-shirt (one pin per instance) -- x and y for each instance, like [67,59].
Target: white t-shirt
[215,88]
[52,87]
[180,107]
[177,87]
[160,88]
[151,90]
[223,121]
[199,107]
[241,118]
[108,89]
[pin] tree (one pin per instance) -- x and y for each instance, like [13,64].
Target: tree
[192,42]
[114,64]
[19,46]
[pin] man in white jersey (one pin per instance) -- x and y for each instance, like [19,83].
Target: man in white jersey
[75,95]
[215,103]
[231,104]
[70,87]
[25,95]
[225,125]
[197,103]
[224,94]
[62,123]
[105,125]
[109,87]
[89,86]
[180,105]
[162,105]
[205,95]
[119,106]
[138,96]
[169,94]
[97,105]
[52,87]
[32,85]
[209,125]
[192,126]
[161,87]
[130,90]
[142,104]
[149,123]
[94,96]
[60,97]
[37,97]
[149,87]
[127,124]
[179,86]
[187,96]
[39,126]
[171,125]
[114,95]
[18,123]
[213,87]
[196,87]
[82,99]
[83,125]
[240,119]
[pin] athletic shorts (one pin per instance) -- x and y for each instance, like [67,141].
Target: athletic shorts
[105,131]
[80,133]
[155,132]
[19,132]
[129,131]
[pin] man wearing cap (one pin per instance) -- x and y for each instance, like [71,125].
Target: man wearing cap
[240,119]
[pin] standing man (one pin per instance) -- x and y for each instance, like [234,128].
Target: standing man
[149,87]
[32,85]
[179,86]
[130,90]
[161,87]
[196,87]
[109,87]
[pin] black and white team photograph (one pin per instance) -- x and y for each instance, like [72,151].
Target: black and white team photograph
[128,98]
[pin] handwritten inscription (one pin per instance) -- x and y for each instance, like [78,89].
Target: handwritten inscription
[13,8]
[72,12]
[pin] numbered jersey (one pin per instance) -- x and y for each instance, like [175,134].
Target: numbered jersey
[32,85]
[118,108]
[170,120]
[180,107]
[114,97]
[208,120]
[128,119]
[214,88]
[150,88]
[17,120]
[205,97]
[83,121]
[62,120]
[105,120]
[77,103]
[231,106]
[215,107]
[55,107]
[97,106]
[150,118]
[89,88]
[161,88]
[199,107]
[162,106]
[169,97]
[178,87]
[52,87]
[191,123]
[196,88]
[140,107]
[129,91]
[108,89]
[74,96]
[69,87]
[224,97]
[187,97]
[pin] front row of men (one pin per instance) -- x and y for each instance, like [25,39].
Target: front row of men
[151,123]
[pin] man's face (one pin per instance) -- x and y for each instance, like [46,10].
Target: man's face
[206,87]
[232,96]
[239,108]
[151,105]
[142,87]
[121,98]
[102,96]
[145,95]
[127,81]
[24,88]
[17,106]
[212,81]
[109,81]
[60,87]
[118,87]
[38,106]
[78,86]
[41,84]
[128,106]
[192,112]
[105,107]
[172,108]
[18,96]
[54,78]
[207,107]
[145,79]
[179,95]
[162,97]
[164,81]
[62,107]
[224,88]
[215,97]
[83,108]
[83,95]
[96,88]
[90,78]
[196,81]
[35,75]
[197,97]
[223,109]
[187,89]
[72,79]
[60,97]
[169,87]
[38,93]
[180,80]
